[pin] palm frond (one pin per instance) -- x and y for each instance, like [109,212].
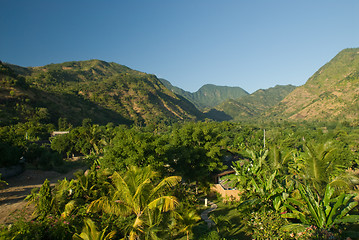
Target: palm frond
[165,203]
[166,183]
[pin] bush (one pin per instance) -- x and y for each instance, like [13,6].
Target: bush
[49,228]
[265,224]
[10,155]
[42,157]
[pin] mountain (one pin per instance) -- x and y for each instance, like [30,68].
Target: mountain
[208,95]
[332,93]
[255,104]
[102,91]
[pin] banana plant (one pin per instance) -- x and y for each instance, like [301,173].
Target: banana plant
[322,212]
[263,181]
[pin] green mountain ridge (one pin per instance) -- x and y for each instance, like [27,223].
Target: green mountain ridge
[110,92]
[255,104]
[209,95]
[332,92]
[102,91]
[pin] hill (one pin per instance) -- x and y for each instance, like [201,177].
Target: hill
[105,92]
[330,94]
[208,95]
[255,104]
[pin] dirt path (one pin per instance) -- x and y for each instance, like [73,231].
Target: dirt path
[204,214]
[12,202]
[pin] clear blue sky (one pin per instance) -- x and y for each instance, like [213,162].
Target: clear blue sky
[250,44]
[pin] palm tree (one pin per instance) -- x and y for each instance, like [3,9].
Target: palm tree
[188,219]
[320,168]
[136,194]
[89,232]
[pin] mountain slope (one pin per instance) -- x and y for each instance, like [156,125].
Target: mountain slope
[255,104]
[332,93]
[208,95]
[104,92]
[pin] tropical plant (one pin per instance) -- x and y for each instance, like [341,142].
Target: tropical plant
[136,194]
[323,213]
[319,168]
[90,232]
[263,181]
[43,200]
[187,219]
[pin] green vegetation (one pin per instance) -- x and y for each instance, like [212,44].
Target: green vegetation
[147,183]
[104,92]
[151,162]
[254,105]
[209,95]
[328,95]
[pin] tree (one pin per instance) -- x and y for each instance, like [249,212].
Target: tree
[136,194]
[320,168]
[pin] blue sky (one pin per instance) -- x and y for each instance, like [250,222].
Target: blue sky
[250,44]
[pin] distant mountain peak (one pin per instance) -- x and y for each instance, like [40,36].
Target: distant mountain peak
[209,95]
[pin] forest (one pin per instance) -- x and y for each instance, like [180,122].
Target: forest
[296,180]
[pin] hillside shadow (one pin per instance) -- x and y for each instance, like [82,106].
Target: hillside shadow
[76,108]
[217,115]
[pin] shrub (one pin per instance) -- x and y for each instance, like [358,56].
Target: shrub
[264,224]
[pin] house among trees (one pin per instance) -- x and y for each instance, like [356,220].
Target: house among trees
[222,184]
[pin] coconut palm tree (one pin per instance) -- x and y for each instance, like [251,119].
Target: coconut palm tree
[136,194]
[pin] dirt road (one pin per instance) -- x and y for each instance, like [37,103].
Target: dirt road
[12,202]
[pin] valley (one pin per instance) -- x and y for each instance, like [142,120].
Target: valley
[153,152]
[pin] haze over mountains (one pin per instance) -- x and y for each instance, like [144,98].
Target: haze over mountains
[110,92]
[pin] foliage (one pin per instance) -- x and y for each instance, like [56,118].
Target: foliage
[186,219]
[263,182]
[2,183]
[135,194]
[324,212]
[264,224]
[132,187]
[43,200]
[48,228]
[89,232]
[314,233]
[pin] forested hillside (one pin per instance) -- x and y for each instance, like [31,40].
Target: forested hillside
[332,93]
[209,95]
[104,92]
[254,105]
